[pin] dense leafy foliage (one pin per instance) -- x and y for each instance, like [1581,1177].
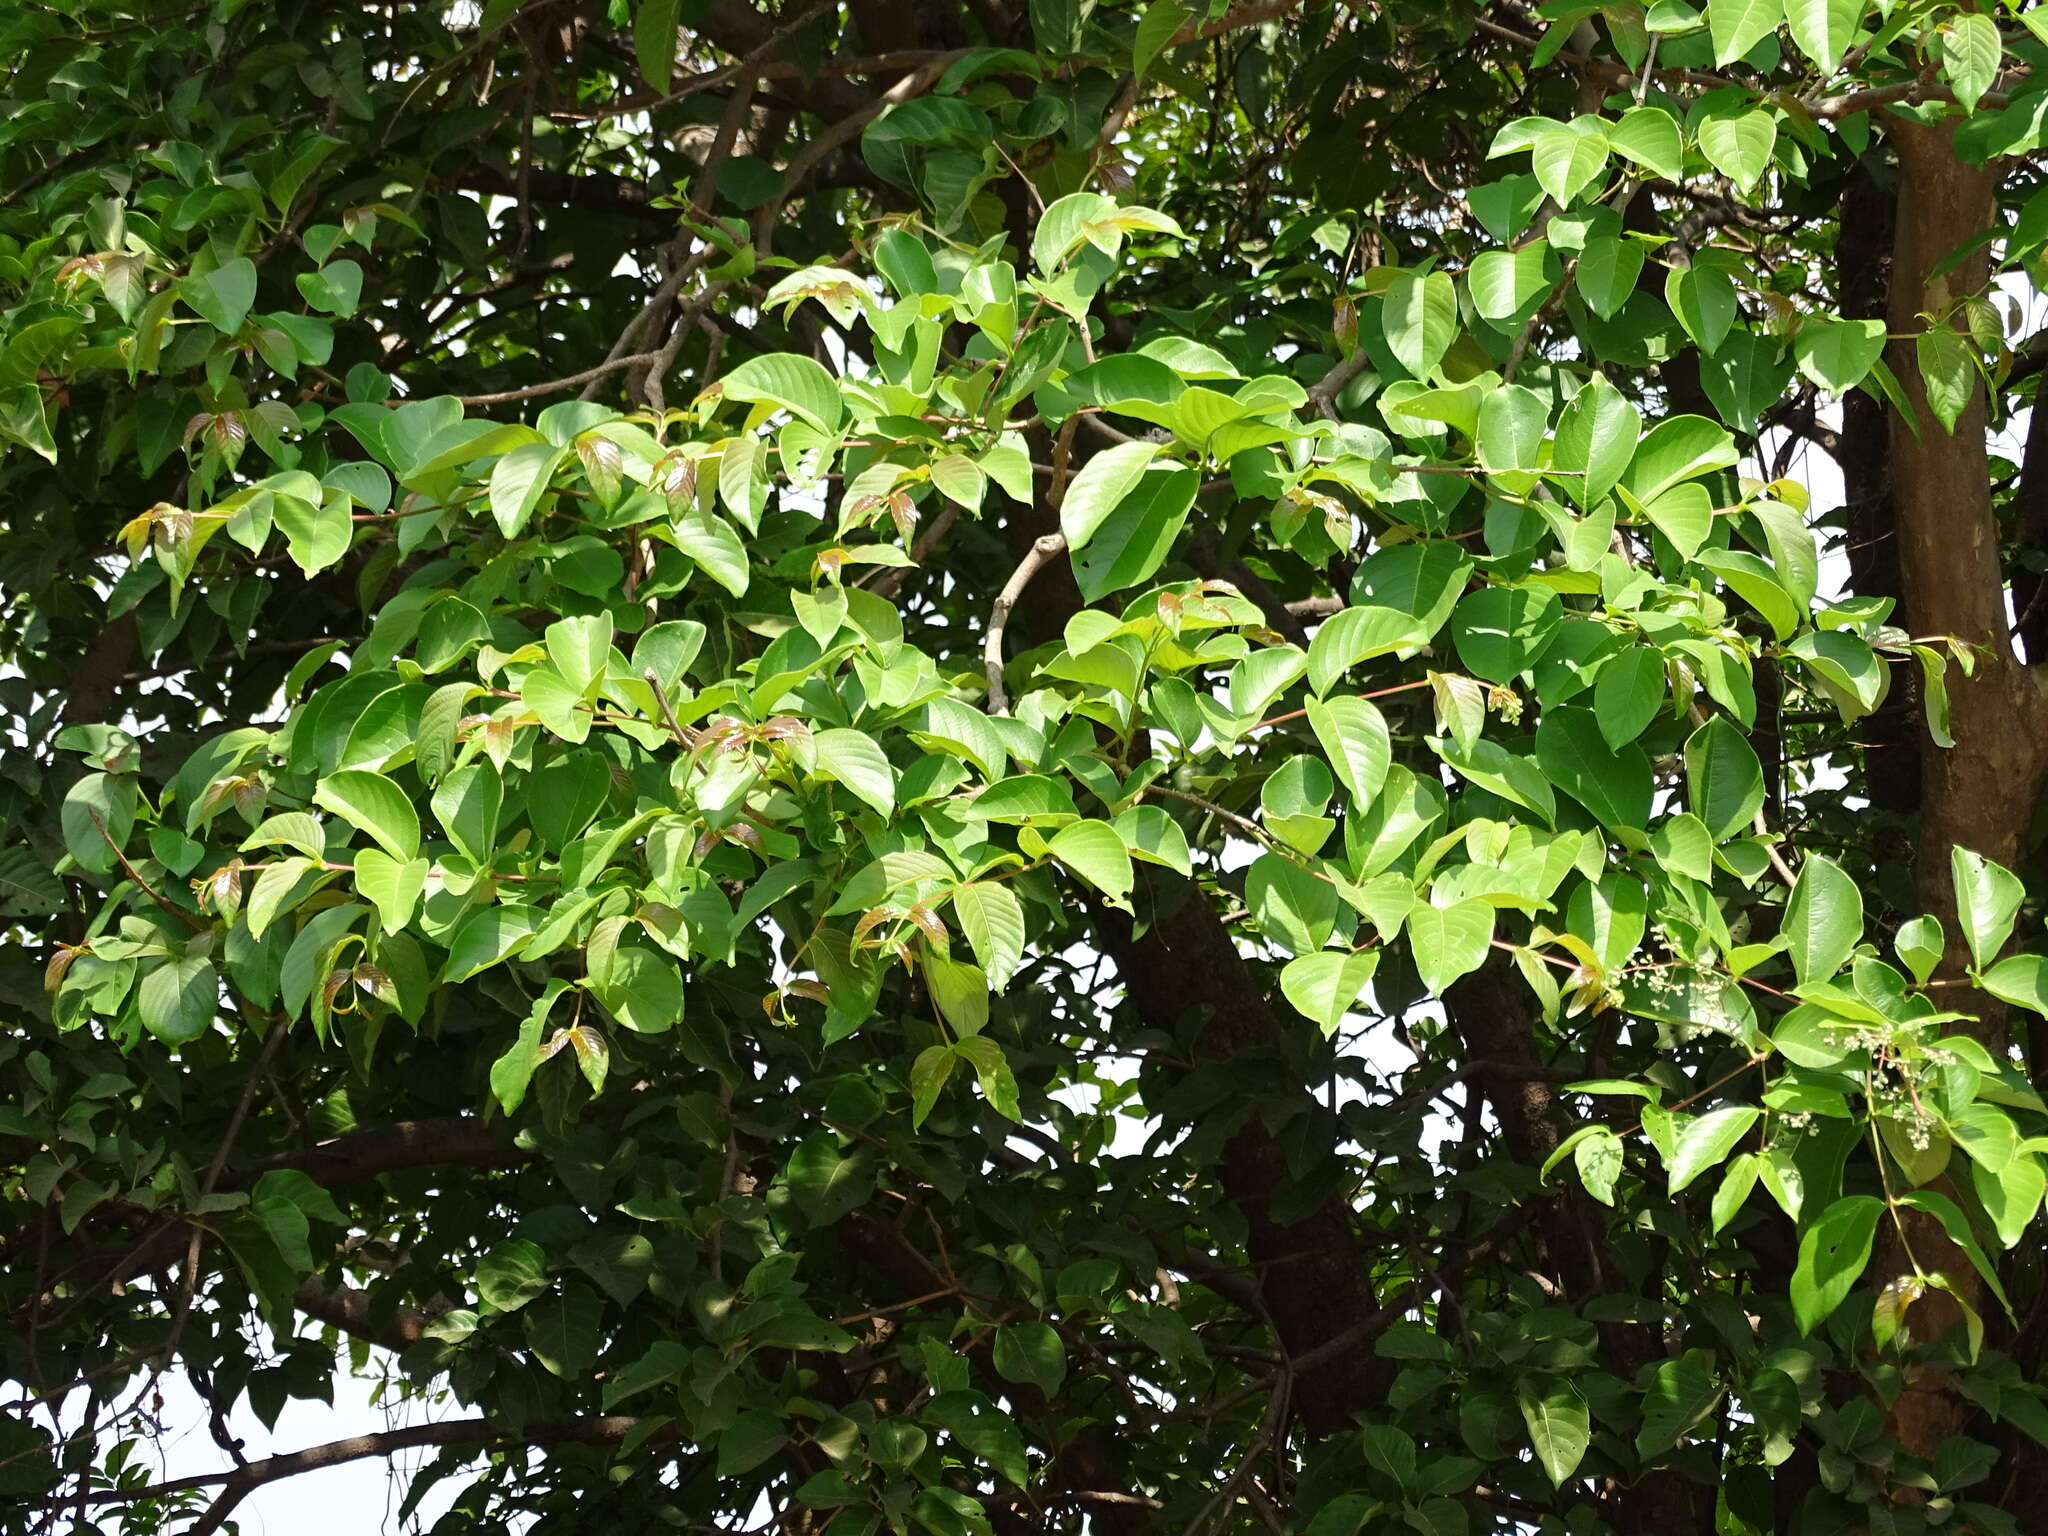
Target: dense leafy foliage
[1016,767]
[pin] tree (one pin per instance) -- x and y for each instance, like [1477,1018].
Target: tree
[988,768]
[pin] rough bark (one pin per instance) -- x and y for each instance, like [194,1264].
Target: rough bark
[1979,794]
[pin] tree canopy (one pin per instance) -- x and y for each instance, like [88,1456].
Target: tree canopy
[986,767]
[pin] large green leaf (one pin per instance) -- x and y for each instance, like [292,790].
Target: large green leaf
[1559,1425]
[1449,942]
[854,759]
[1139,533]
[1100,488]
[1823,919]
[1832,1254]
[1724,780]
[178,999]
[1737,26]
[1419,315]
[1988,896]
[372,803]
[796,383]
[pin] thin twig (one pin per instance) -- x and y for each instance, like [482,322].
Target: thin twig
[556,386]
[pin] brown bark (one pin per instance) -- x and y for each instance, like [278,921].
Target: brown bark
[1311,1272]
[1979,794]
[1863,260]
[1490,1012]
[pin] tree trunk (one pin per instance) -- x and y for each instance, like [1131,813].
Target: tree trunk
[1979,794]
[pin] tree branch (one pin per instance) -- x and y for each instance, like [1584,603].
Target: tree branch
[1044,549]
[239,1483]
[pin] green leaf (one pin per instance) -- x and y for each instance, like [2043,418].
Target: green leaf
[827,1179]
[1838,354]
[992,1072]
[562,1330]
[1139,533]
[1706,1141]
[1823,28]
[1559,1424]
[798,384]
[1104,481]
[1736,1184]
[1596,438]
[1919,942]
[1957,1226]
[512,1274]
[928,1076]
[642,989]
[1567,159]
[27,888]
[98,818]
[1739,144]
[960,992]
[2021,980]
[1736,26]
[392,886]
[1607,272]
[1508,286]
[333,290]
[372,803]
[1092,850]
[1948,372]
[1823,919]
[993,920]
[1356,634]
[1724,781]
[1971,51]
[1679,1396]
[1629,693]
[1353,735]
[1685,847]
[710,540]
[1599,1159]
[177,1001]
[1324,986]
[486,937]
[223,296]
[1682,448]
[1832,1254]
[1502,631]
[983,1430]
[1031,1352]
[655,40]
[1449,942]
[467,805]
[578,648]
[1988,896]
[519,481]
[316,534]
[1703,299]
[1157,28]
[1292,906]
[1615,784]
[1510,428]
[1650,136]
[853,759]
[512,1071]
[1419,317]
